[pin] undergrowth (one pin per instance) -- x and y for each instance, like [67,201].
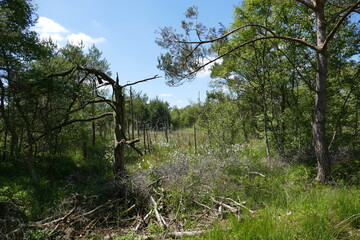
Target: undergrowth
[288,202]
[267,199]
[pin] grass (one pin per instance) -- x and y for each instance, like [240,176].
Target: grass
[291,206]
[288,203]
[311,215]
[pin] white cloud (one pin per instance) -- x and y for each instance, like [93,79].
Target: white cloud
[53,36]
[78,38]
[166,95]
[179,101]
[48,28]
[205,72]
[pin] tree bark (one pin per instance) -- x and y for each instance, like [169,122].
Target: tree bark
[120,128]
[319,119]
[132,115]
[30,140]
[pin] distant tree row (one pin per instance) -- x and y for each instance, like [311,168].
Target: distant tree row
[292,83]
[55,101]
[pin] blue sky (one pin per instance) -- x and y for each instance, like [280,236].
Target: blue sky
[125,32]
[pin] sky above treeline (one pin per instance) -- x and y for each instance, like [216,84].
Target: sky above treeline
[125,31]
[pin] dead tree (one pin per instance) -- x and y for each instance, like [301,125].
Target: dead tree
[117,103]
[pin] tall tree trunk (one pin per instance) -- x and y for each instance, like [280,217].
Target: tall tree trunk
[265,123]
[30,140]
[93,131]
[120,129]
[319,121]
[144,137]
[266,133]
[4,151]
[9,125]
[356,126]
[132,115]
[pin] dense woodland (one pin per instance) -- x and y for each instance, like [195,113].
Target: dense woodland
[272,153]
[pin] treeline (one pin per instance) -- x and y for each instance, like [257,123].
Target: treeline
[292,83]
[51,111]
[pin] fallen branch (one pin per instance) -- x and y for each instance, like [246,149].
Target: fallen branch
[240,205]
[348,219]
[159,218]
[257,173]
[98,207]
[60,219]
[130,208]
[232,209]
[142,220]
[185,234]
[44,224]
[205,206]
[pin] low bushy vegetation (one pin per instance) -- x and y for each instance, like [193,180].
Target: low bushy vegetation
[222,193]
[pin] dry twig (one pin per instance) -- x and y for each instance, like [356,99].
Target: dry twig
[348,219]
[159,218]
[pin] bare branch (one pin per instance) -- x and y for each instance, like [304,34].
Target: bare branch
[66,123]
[131,143]
[348,219]
[337,26]
[229,33]
[98,73]
[249,42]
[84,120]
[136,149]
[274,35]
[144,80]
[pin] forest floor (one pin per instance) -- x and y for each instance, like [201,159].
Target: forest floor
[176,191]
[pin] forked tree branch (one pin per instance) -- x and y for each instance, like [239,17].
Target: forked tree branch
[337,26]
[237,47]
[97,73]
[309,4]
[274,35]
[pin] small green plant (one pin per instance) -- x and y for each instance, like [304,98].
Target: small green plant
[38,234]
[155,229]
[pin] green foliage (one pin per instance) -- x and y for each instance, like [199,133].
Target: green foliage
[41,104]
[219,120]
[184,117]
[159,113]
[155,229]
[38,234]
